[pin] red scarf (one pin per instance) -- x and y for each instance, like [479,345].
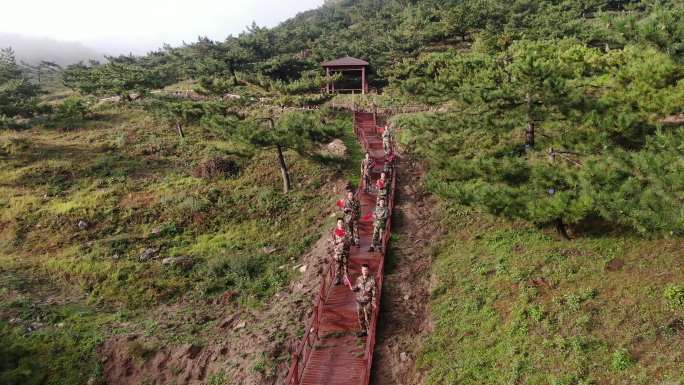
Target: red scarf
[340,232]
[380,183]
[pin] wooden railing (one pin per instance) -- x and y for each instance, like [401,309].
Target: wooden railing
[386,111]
[301,357]
[372,333]
[311,335]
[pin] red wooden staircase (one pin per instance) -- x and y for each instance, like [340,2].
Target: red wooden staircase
[330,353]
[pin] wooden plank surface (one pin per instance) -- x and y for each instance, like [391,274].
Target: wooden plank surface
[337,357]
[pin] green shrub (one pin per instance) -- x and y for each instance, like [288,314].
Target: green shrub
[13,146]
[621,360]
[142,350]
[264,366]
[192,205]
[218,379]
[572,301]
[16,366]
[259,366]
[71,113]
[674,296]
[270,202]
[536,312]
[6,122]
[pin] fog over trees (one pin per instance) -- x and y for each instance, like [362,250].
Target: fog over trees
[34,49]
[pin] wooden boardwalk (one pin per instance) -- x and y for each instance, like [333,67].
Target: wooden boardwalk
[330,352]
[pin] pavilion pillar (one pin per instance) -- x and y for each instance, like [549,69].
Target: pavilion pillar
[364,86]
[332,85]
[327,84]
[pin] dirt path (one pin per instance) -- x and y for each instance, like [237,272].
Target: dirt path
[404,320]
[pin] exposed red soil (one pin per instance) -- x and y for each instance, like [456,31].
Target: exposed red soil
[404,320]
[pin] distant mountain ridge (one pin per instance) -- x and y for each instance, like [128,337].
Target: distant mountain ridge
[34,49]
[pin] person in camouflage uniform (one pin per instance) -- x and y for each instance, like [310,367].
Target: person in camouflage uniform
[382,185]
[390,162]
[388,168]
[387,140]
[349,187]
[366,168]
[379,220]
[339,247]
[352,215]
[365,288]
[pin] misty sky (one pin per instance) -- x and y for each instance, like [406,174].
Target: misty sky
[138,26]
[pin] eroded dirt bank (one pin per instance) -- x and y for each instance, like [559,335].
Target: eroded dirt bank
[240,346]
[404,320]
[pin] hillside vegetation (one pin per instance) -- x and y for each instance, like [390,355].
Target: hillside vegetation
[555,147]
[102,224]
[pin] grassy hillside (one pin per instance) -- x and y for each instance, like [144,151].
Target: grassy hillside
[561,184]
[553,140]
[516,304]
[104,223]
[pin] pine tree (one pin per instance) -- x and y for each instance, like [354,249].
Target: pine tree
[122,76]
[18,96]
[274,115]
[588,119]
[176,112]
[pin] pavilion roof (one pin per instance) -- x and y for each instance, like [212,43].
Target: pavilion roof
[345,61]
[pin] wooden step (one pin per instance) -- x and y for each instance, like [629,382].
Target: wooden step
[338,356]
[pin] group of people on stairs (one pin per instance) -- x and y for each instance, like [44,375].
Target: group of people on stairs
[346,232]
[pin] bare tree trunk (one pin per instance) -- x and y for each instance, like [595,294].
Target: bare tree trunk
[281,161]
[562,230]
[283,169]
[529,133]
[179,128]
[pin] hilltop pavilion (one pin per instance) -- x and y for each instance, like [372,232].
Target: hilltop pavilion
[346,64]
